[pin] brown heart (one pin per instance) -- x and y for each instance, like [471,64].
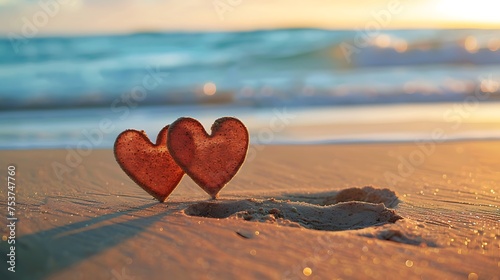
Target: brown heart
[210,160]
[149,165]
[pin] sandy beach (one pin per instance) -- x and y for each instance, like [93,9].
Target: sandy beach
[358,140]
[292,212]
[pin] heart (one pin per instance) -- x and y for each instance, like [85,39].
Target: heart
[210,160]
[149,165]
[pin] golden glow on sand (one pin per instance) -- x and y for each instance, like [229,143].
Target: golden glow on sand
[473,276]
[307,271]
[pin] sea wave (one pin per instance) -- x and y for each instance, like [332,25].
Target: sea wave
[296,67]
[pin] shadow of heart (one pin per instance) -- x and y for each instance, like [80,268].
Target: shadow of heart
[54,250]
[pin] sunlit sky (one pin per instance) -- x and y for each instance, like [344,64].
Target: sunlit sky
[119,16]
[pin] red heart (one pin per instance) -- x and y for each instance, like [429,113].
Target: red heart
[210,160]
[149,165]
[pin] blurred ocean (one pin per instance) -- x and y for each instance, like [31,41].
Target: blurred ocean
[53,88]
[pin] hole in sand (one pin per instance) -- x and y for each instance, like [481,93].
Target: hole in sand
[365,194]
[348,209]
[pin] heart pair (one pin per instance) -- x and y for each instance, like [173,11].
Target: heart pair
[183,147]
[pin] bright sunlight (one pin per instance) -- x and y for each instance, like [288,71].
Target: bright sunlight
[477,11]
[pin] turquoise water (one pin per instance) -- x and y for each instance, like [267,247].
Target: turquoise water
[54,89]
[298,67]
